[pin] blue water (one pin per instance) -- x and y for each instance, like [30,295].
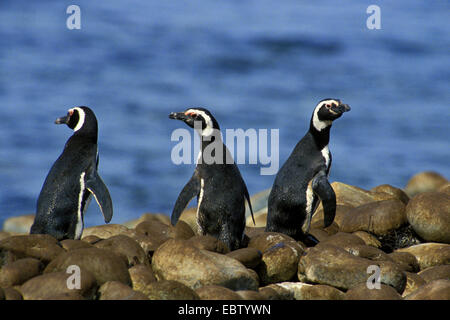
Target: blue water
[255,64]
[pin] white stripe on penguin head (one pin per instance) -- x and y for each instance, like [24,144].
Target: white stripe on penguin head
[322,124]
[81,117]
[209,124]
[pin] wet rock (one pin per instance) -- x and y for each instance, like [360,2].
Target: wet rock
[341,212]
[413,282]
[304,291]
[378,217]
[40,246]
[362,292]
[396,192]
[114,290]
[436,273]
[48,285]
[429,254]
[368,239]
[91,239]
[209,243]
[19,271]
[103,264]
[20,224]
[177,260]
[424,182]
[266,240]
[249,257]
[331,265]
[213,292]
[104,231]
[434,290]
[169,290]
[368,252]
[70,244]
[429,215]
[406,261]
[253,232]
[126,246]
[141,275]
[275,292]
[11,294]
[330,230]
[343,240]
[250,295]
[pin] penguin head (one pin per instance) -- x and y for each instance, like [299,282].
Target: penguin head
[198,118]
[80,119]
[326,111]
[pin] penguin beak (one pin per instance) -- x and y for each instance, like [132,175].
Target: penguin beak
[62,120]
[341,108]
[178,116]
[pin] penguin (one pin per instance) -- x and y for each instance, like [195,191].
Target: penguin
[217,183]
[303,179]
[72,180]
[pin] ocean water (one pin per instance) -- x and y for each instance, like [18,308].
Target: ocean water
[255,64]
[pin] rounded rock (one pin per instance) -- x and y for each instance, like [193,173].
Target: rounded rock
[213,292]
[126,246]
[413,282]
[141,275]
[436,273]
[19,271]
[177,260]
[378,217]
[114,290]
[169,290]
[304,291]
[362,292]
[249,257]
[208,243]
[104,231]
[424,182]
[396,192]
[434,290]
[104,265]
[429,254]
[429,215]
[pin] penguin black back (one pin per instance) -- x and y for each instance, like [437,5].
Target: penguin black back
[72,179]
[303,179]
[217,182]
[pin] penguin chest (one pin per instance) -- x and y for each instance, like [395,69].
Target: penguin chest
[82,204]
[326,157]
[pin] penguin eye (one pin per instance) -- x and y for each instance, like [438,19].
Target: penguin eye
[328,106]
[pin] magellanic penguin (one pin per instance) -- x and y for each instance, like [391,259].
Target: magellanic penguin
[217,182]
[303,179]
[72,180]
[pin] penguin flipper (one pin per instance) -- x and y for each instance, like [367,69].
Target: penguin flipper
[97,187]
[190,190]
[247,196]
[323,189]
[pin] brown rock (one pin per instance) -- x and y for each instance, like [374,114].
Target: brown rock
[352,196]
[341,212]
[49,285]
[276,292]
[429,254]
[368,239]
[91,239]
[266,240]
[141,275]
[362,292]
[104,265]
[249,257]
[70,244]
[126,246]
[396,192]
[104,231]
[114,290]
[424,182]
[20,224]
[413,282]
[40,246]
[19,271]
[343,240]
[148,244]
[406,261]
[304,291]
[190,217]
[250,295]
[177,260]
[65,296]
[209,243]
[260,219]
[148,217]
[378,217]
[213,292]
[436,273]
[445,189]
[429,215]
[181,231]
[169,290]
[4,234]
[11,294]
[331,265]
[434,290]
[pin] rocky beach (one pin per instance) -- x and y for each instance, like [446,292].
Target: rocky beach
[402,235]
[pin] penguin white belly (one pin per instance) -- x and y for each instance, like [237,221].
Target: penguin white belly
[310,199]
[79,225]
[200,198]
[326,155]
